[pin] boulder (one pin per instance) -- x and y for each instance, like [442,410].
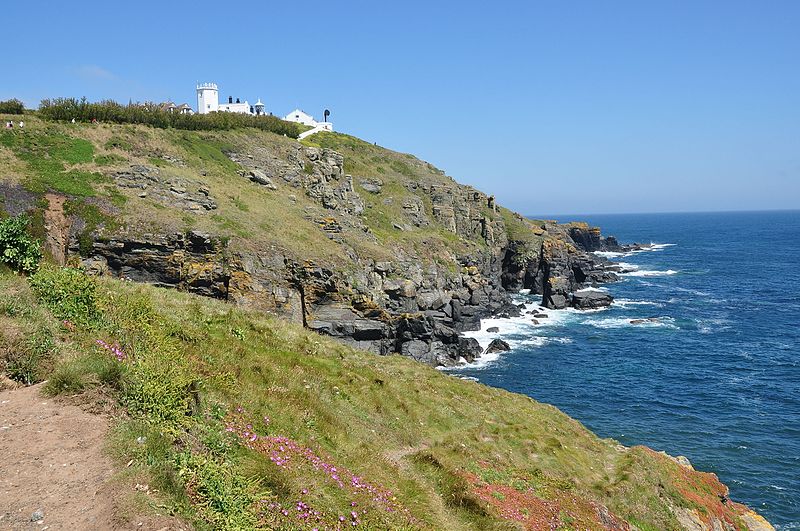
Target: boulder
[258,176]
[469,348]
[399,288]
[497,345]
[372,186]
[493,330]
[586,300]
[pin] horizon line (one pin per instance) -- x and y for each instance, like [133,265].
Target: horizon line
[662,212]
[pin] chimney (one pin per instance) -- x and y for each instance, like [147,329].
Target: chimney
[237,100]
[230,99]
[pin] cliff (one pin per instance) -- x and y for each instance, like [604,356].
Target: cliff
[259,418]
[376,248]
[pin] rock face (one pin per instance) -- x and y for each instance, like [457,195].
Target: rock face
[405,305]
[172,191]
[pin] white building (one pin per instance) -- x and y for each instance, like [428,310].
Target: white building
[235,106]
[208,101]
[207,98]
[302,117]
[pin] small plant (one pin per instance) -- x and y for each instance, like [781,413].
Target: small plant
[18,249]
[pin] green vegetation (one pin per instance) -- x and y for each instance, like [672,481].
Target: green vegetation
[242,419]
[47,155]
[66,109]
[207,150]
[18,250]
[12,106]
[238,420]
[27,333]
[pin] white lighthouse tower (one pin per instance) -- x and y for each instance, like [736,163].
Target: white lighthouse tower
[207,98]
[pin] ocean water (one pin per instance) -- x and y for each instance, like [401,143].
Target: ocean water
[715,376]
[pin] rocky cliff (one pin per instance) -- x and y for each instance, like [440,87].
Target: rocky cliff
[406,303]
[379,250]
[373,247]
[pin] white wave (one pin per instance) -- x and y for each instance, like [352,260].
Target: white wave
[710,326]
[649,273]
[627,303]
[610,254]
[628,266]
[592,288]
[485,360]
[620,322]
[525,291]
[652,247]
[693,291]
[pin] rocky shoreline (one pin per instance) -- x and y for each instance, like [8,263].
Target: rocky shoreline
[420,313]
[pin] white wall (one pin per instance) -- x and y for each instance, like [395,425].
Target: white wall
[300,117]
[242,108]
[207,100]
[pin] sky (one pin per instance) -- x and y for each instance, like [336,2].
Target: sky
[556,107]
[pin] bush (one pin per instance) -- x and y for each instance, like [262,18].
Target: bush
[66,109]
[68,293]
[18,249]
[13,106]
[223,498]
[31,361]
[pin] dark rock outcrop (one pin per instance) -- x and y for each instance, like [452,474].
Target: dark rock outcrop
[587,300]
[497,345]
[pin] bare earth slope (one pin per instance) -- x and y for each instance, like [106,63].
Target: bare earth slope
[53,465]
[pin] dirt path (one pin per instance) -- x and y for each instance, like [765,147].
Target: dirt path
[53,472]
[57,226]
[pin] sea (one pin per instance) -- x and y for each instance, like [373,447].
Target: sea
[699,355]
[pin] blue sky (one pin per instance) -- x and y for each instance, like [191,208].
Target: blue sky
[556,107]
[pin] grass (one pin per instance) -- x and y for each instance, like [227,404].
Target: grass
[199,379]
[243,416]
[48,156]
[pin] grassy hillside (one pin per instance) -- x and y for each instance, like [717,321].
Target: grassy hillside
[79,160]
[240,421]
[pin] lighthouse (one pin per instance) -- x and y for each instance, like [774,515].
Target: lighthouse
[207,98]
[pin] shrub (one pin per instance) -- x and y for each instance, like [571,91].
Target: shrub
[12,106]
[66,109]
[159,389]
[67,379]
[68,293]
[31,360]
[17,248]
[224,499]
